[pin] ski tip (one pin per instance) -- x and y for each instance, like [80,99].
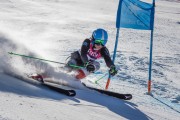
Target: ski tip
[71,93]
[127,96]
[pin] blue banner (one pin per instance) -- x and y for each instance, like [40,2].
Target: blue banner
[135,14]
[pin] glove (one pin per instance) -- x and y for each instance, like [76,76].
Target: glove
[113,71]
[90,67]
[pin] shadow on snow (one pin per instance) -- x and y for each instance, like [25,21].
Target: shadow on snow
[32,89]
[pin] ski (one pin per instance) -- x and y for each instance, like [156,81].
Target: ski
[57,88]
[110,93]
[71,93]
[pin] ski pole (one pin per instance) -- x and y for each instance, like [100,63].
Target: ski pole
[96,81]
[11,53]
[100,85]
[75,66]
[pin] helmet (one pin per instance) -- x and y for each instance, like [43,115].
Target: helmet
[100,34]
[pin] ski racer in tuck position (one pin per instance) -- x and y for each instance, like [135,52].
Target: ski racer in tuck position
[92,49]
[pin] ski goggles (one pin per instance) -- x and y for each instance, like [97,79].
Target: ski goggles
[99,42]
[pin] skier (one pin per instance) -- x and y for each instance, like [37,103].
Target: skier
[92,49]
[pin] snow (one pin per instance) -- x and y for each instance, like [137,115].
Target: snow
[52,29]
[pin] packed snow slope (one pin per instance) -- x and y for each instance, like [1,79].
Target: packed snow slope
[52,29]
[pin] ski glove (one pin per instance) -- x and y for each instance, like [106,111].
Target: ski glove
[90,67]
[113,71]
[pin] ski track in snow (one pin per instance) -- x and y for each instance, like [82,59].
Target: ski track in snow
[50,29]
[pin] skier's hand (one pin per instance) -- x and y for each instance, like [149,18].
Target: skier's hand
[113,71]
[90,67]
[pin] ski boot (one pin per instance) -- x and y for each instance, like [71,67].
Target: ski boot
[80,74]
